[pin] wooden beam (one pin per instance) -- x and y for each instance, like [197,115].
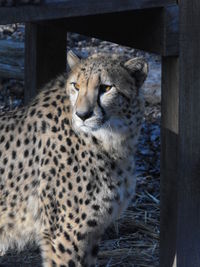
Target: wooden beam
[72,8]
[188,227]
[138,29]
[169,160]
[45,55]
[152,30]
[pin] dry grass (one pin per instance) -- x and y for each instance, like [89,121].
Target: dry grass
[135,240]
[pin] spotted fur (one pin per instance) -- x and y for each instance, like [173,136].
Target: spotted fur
[67,160]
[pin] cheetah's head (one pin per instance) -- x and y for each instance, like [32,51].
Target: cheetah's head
[102,90]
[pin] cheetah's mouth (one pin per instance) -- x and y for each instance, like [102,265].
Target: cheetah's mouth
[89,125]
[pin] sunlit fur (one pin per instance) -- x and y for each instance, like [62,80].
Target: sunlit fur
[113,128]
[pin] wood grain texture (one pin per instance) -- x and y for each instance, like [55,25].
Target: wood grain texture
[169,160]
[72,8]
[45,55]
[170,41]
[188,228]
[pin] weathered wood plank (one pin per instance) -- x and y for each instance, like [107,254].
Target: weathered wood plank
[188,227]
[45,55]
[170,39]
[72,8]
[10,3]
[169,160]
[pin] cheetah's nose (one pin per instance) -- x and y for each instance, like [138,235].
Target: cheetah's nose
[84,115]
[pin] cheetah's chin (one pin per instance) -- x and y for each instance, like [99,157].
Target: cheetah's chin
[88,127]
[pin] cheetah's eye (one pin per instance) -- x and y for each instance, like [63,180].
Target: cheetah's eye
[104,88]
[76,86]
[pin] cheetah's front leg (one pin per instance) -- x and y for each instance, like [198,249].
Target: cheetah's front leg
[67,250]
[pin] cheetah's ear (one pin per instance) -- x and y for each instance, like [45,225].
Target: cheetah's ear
[138,68]
[72,59]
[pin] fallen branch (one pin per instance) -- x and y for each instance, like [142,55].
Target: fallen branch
[11,59]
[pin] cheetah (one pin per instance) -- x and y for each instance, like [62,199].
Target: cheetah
[67,159]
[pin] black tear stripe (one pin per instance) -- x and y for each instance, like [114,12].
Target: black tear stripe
[101,108]
[87,82]
[99,103]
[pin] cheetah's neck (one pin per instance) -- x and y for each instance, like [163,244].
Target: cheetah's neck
[118,146]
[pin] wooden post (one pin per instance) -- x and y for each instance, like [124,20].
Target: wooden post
[169,138]
[188,224]
[45,55]
[180,197]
